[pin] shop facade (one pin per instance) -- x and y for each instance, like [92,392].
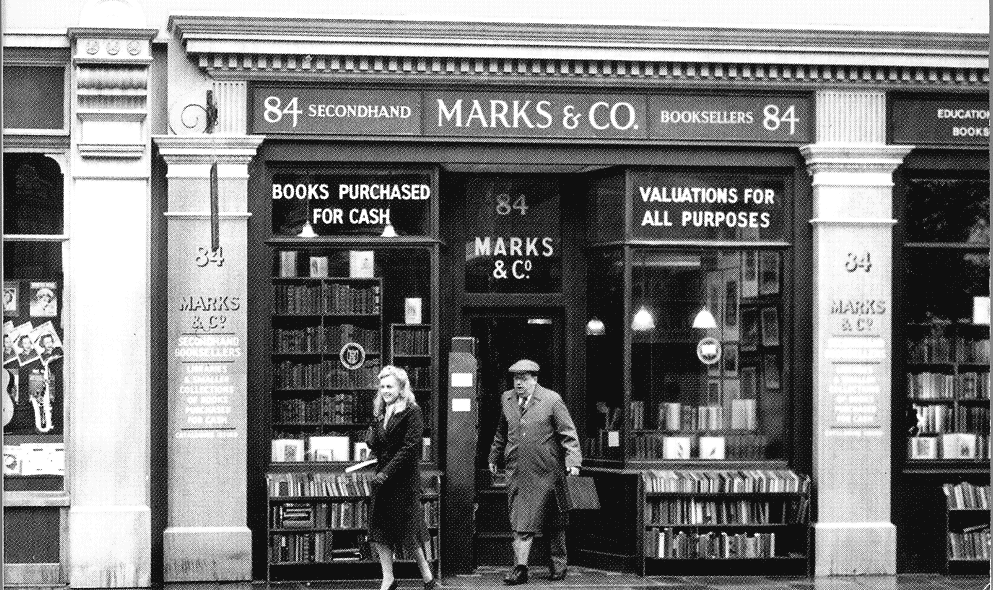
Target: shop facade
[715,246]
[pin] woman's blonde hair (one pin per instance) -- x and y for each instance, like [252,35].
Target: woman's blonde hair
[406,393]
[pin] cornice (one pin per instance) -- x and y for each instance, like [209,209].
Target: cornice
[205,149]
[284,49]
[861,158]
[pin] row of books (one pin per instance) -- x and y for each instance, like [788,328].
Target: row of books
[743,446]
[326,409]
[326,298]
[411,341]
[361,264]
[313,483]
[723,481]
[337,515]
[666,543]
[936,348]
[676,417]
[320,547]
[928,385]
[953,445]
[419,377]
[972,419]
[693,511]
[966,496]
[972,543]
[327,339]
[935,418]
[326,374]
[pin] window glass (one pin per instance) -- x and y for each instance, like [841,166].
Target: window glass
[605,354]
[942,285]
[948,210]
[32,188]
[707,355]
[33,97]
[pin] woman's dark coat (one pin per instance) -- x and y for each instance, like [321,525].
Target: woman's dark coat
[396,518]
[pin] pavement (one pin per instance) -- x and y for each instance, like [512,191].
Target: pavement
[593,579]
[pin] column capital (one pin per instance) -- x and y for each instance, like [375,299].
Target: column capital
[207,149]
[854,158]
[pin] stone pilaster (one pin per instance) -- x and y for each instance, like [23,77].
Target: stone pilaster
[207,537]
[852,172]
[107,275]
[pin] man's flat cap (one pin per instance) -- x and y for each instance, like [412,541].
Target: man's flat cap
[524,366]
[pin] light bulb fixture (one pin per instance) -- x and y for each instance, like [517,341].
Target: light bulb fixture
[704,320]
[307,231]
[595,327]
[643,320]
[389,232]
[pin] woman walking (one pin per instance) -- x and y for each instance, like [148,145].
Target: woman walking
[396,518]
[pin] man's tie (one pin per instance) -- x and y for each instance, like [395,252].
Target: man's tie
[522,401]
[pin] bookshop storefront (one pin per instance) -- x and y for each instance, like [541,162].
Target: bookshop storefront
[728,263]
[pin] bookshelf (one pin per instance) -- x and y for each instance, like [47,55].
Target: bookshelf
[411,350]
[967,528]
[319,519]
[723,522]
[948,392]
[326,356]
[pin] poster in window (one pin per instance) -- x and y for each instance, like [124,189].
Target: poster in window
[11,290]
[768,273]
[47,343]
[731,390]
[770,371]
[731,309]
[770,326]
[23,344]
[729,356]
[44,303]
[9,354]
[749,273]
[749,328]
[713,391]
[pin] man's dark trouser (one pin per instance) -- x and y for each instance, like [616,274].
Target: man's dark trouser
[554,528]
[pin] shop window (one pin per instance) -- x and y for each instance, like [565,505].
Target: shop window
[706,365]
[33,335]
[947,307]
[34,97]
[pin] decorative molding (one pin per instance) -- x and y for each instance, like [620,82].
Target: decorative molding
[103,87]
[251,48]
[131,151]
[232,107]
[29,142]
[36,55]
[854,158]
[206,149]
[850,116]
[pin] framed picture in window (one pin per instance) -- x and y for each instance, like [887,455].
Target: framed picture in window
[11,290]
[768,273]
[749,382]
[770,326]
[770,371]
[731,319]
[749,328]
[750,273]
[729,359]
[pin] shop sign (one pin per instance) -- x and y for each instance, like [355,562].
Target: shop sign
[938,121]
[331,111]
[350,203]
[697,206]
[504,114]
[513,243]
[466,114]
[768,118]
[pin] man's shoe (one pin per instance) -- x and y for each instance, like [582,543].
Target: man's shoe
[555,576]
[518,575]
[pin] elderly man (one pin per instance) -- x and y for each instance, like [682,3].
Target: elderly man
[537,438]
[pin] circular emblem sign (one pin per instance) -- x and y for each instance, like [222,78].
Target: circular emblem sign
[352,356]
[708,350]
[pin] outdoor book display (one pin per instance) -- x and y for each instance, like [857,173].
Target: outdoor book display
[726,516]
[967,523]
[318,520]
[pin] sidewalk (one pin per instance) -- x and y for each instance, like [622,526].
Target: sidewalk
[580,577]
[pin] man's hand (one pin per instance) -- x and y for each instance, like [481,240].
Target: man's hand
[572,470]
[380,479]
[493,469]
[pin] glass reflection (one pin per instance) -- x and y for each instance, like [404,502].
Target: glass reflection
[948,210]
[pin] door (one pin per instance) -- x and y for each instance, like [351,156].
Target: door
[504,337]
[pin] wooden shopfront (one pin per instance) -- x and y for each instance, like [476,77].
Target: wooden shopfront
[521,218]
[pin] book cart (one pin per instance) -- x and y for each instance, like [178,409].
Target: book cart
[339,314]
[967,528]
[691,389]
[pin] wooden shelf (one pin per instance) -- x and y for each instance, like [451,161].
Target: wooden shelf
[768,525]
[722,494]
[317,425]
